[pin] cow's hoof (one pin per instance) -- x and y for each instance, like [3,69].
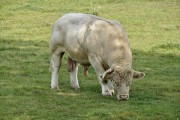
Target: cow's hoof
[54,88]
[109,94]
[112,92]
[86,73]
[76,88]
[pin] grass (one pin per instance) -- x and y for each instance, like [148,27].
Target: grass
[153,30]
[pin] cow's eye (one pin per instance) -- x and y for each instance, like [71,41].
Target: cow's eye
[115,83]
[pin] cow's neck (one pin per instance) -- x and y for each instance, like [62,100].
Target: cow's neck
[119,66]
[121,60]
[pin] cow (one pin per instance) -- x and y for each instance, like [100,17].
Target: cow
[91,40]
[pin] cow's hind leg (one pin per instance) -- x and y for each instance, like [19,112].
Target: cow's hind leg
[86,67]
[54,66]
[73,71]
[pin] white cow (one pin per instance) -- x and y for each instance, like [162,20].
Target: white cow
[91,40]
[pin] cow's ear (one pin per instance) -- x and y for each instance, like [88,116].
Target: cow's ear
[138,75]
[107,75]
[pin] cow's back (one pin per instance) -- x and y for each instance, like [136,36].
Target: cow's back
[69,28]
[84,34]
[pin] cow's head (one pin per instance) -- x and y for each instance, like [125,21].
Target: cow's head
[122,79]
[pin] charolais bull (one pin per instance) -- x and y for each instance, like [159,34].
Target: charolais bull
[91,40]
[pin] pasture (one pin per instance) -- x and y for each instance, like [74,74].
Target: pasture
[153,28]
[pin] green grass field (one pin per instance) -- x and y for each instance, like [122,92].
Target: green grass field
[153,28]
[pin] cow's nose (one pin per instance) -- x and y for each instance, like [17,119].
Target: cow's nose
[123,97]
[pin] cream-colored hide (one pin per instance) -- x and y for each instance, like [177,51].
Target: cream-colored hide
[91,40]
[122,79]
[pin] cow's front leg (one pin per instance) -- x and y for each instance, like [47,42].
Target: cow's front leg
[105,89]
[73,71]
[97,65]
[54,67]
[111,86]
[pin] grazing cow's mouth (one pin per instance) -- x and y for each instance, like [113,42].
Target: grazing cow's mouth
[123,97]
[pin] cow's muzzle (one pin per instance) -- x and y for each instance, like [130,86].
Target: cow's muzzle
[123,97]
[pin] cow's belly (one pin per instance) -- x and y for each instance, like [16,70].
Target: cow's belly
[78,55]
[79,58]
